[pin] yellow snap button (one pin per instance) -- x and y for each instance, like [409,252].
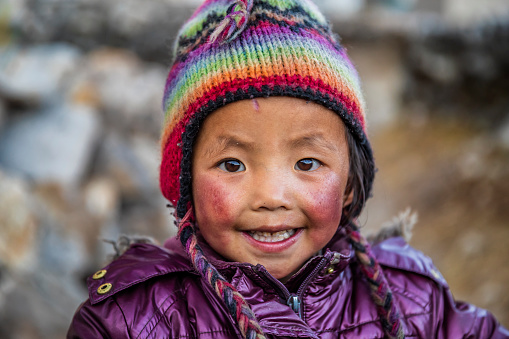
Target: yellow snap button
[330,270]
[99,274]
[104,288]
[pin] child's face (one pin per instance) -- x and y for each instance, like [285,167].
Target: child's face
[269,178]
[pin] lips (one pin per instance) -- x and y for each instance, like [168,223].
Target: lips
[272,236]
[278,241]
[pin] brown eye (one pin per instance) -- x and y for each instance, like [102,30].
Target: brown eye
[307,165]
[232,166]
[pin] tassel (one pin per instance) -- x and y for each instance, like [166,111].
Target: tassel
[234,22]
[186,217]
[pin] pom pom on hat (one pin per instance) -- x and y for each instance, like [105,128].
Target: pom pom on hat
[234,22]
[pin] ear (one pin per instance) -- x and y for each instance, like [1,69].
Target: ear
[348,198]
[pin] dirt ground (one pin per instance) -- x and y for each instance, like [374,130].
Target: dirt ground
[457,179]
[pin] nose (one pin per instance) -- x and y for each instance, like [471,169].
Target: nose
[272,189]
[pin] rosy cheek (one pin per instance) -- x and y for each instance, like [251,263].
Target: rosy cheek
[326,202]
[213,201]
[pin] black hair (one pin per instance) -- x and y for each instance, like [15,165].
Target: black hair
[360,179]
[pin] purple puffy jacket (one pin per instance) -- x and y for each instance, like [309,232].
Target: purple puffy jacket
[155,293]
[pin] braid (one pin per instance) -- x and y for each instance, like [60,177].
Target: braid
[379,288]
[235,303]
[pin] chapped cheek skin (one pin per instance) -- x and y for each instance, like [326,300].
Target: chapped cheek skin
[326,202]
[216,199]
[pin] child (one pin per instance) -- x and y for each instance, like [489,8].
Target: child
[265,156]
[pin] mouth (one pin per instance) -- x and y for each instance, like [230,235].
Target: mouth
[272,236]
[273,242]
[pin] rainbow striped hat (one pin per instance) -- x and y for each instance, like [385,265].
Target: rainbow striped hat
[234,50]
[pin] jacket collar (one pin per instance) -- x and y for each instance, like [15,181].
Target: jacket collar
[139,263]
[145,261]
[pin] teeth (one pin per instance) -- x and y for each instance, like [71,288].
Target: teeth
[272,237]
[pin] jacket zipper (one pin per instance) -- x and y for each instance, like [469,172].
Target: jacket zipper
[294,303]
[292,300]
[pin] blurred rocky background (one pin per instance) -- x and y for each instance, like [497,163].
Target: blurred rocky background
[80,90]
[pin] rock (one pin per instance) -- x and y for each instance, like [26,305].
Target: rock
[132,171]
[148,219]
[144,27]
[37,74]
[18,225]
[67,242]
[62,247]
[472,243]
[39,307]
[128,91]
[148,153]
[468,12]
[41,263]
[101,198]
[341,9]
[383,81]
[15,99]
[397,5]
[479,65]
[503,134]
[130,165]
[461,70]
[42,298]
[3,114]
[84,92]
[54,145]
[473,159]
[437,66]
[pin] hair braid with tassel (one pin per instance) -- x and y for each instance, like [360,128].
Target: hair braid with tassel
[380,291]
[361,172]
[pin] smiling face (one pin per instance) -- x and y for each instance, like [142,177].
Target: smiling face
[269,178]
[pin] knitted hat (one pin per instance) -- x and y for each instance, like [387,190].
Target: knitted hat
[234,50]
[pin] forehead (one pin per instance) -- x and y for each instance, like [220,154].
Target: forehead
[277,119]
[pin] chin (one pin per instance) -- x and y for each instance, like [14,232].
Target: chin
[282,275]
[283,270]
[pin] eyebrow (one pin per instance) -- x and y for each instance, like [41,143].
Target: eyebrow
[224,142]
[313,140]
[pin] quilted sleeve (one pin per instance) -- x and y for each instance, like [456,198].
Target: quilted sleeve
[448,318]
[456,319]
